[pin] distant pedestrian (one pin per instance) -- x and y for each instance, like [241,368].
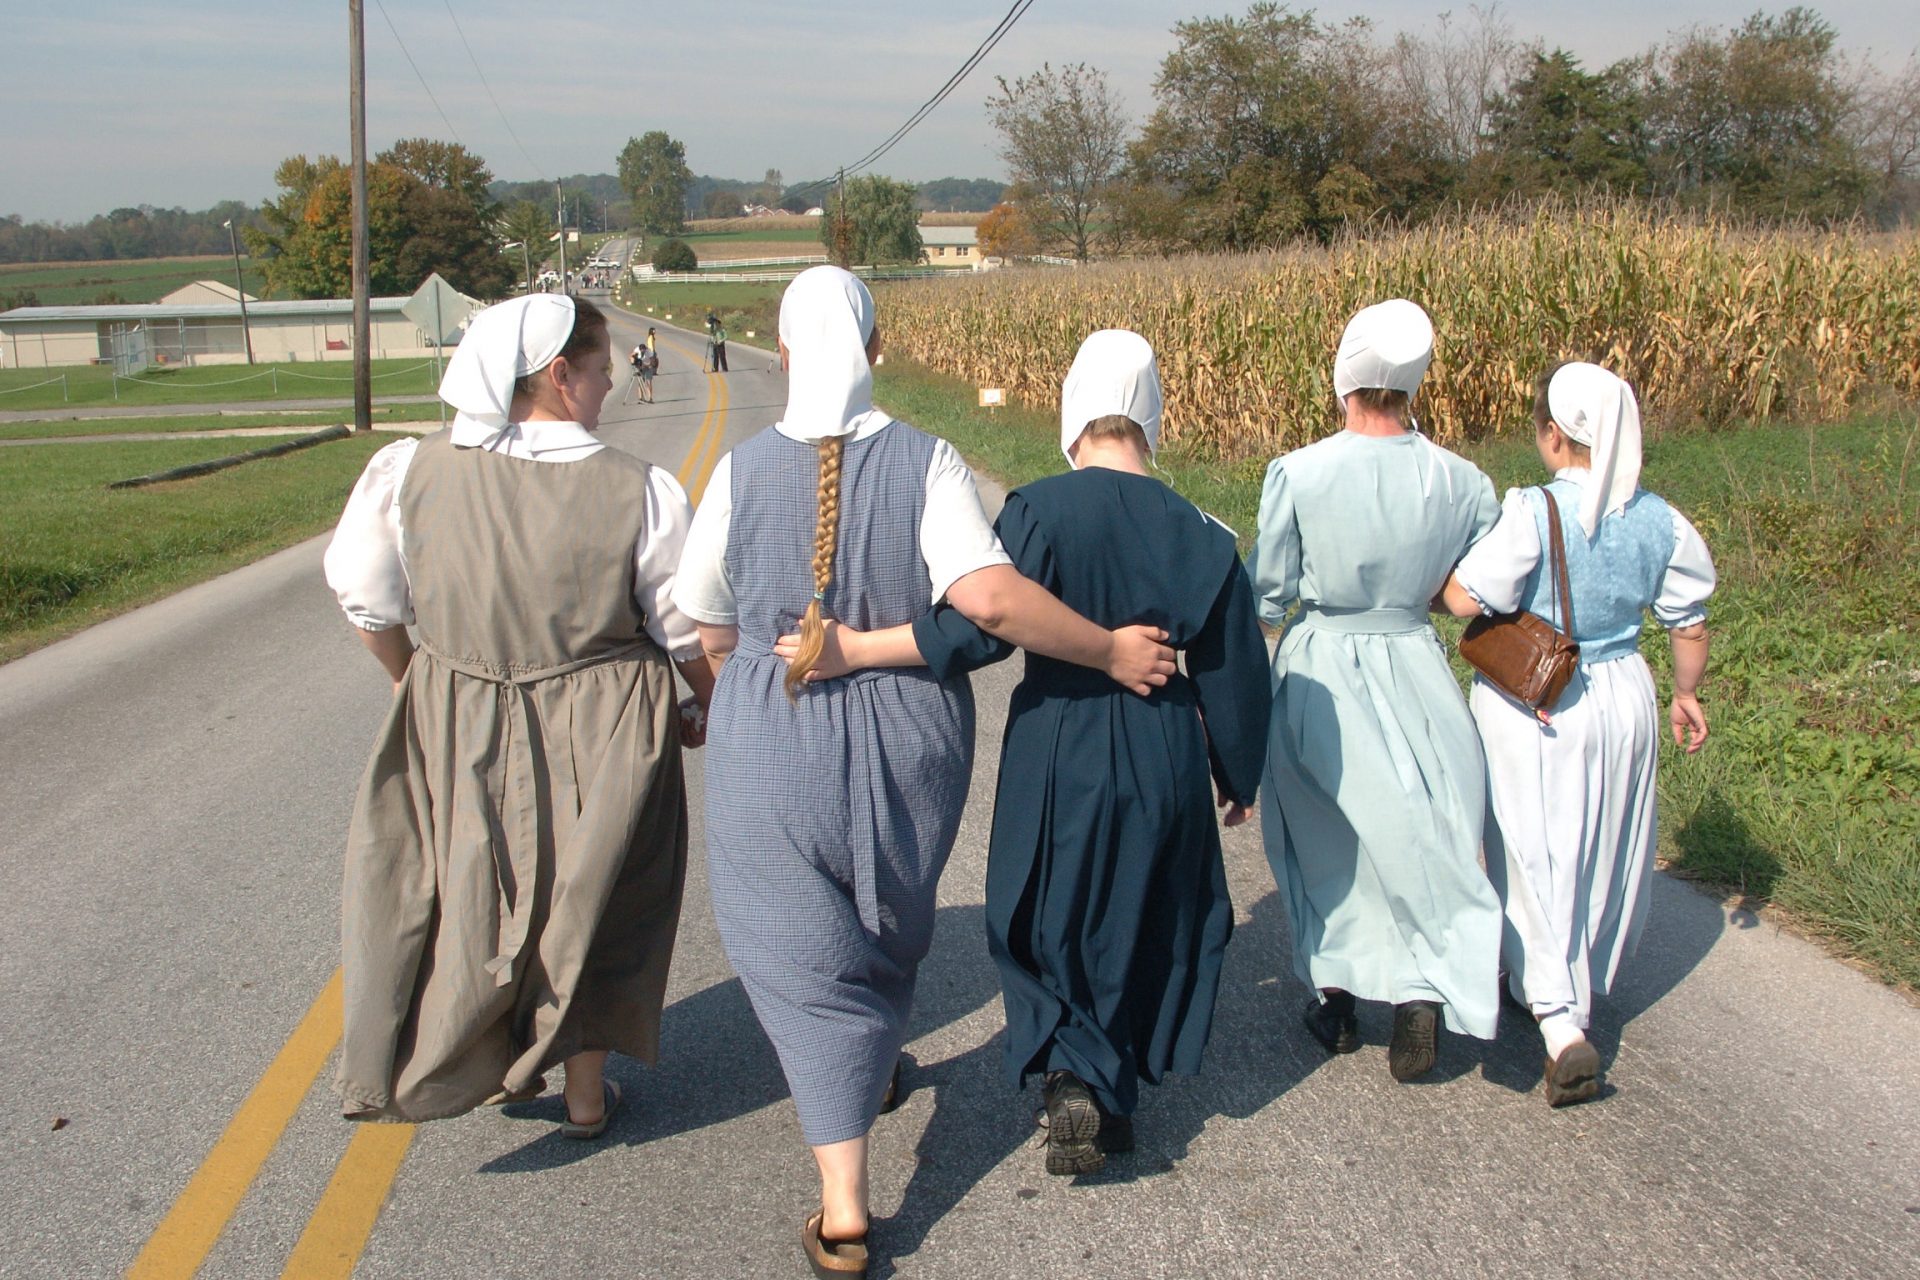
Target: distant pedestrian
[716,345]
[649,366]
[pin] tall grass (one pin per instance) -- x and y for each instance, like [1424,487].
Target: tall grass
[1710,322]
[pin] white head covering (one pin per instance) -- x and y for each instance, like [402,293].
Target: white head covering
[1114,372]
[504,343]
[1386,345]
[1598,409]
[826,318]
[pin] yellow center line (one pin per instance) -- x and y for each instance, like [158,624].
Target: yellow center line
[187,1234]
[344,1218]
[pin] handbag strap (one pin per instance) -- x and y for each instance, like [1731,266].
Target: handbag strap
[1558,550]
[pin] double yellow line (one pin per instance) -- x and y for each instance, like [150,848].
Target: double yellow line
[343,1221]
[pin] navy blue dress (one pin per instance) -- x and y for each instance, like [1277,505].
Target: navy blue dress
[1107,905]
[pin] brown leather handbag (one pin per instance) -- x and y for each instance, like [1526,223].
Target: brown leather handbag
[1522,654]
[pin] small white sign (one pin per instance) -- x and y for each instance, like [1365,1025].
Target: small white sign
[992,397]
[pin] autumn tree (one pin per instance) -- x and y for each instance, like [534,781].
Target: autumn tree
[413,228]
[1005,233]
[532,225]
[881,224]
[1062,136]
[654,173]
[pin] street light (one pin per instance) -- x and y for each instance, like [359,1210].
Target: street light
[526,262]
[240,287]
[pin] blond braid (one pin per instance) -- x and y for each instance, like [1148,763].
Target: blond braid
[826,542]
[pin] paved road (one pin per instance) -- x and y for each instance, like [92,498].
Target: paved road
[177,787]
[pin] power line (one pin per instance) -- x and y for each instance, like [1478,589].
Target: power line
[940,95]
[489,88]
[416,71]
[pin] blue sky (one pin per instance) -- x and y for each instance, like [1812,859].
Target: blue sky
[122,103]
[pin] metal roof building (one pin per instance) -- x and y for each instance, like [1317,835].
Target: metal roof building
[200,333]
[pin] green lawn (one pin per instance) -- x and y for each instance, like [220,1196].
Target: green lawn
[1807,797]
[702,241]
[73,552]
[186,424]
[133,279]
[208,384]
[741,307]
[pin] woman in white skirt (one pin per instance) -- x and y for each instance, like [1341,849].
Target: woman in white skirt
[1571,848]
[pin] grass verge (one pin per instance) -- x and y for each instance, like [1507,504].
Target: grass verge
[741,307]
[56,284]
[73,553]
[1807,798]
[209,384]
[187,424]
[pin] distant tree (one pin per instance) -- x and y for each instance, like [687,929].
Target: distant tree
[654,173]
[413,228]
[1063,136]
[1458,74]
[881,224]
[959,195]
[1275,125]
[1756,119]
[674,255]
[530,224]
[1888,129]
[724,204]
[795,204]
[768,192]
[1005,233]
[1559,127]
[446,165]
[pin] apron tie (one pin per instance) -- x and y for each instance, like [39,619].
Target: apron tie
[517,865]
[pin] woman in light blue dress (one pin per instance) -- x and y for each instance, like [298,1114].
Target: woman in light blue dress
[1376,786]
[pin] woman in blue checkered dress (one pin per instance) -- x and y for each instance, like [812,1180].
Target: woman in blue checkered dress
[832,805]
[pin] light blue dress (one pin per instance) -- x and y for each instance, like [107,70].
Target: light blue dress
[1376,784]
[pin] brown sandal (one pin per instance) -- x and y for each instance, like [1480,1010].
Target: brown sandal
[833,1259]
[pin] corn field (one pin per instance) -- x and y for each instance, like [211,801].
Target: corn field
[1709,322]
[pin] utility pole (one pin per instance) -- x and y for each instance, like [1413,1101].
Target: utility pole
[362,319]
[842,232]
[560,208]
[240,287]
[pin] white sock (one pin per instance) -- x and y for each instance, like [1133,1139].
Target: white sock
[1559,1030]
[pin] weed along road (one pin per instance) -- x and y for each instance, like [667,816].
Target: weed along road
[178,783]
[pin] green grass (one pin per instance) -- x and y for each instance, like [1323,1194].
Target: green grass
[186,424]
[740,306]
[133,280]
[703,240]
[1807,797]
[209,384]
[73,552]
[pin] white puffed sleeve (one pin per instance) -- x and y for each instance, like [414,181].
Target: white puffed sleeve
[955,536]
[656,565]
[366,562]
[703,589]
[1495,569]
[1689,579]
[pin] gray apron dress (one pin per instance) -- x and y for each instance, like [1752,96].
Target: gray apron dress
[829,819]
[517,853]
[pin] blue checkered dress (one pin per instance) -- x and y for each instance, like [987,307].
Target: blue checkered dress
[830,819]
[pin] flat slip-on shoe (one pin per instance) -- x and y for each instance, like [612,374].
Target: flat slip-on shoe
[832,1259]
[588,1132]
[1574,1076]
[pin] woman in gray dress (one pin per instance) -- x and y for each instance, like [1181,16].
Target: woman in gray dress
[515,862]
[832,805]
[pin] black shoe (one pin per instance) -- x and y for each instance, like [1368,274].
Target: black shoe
[1116,1134]
[1333,1023]
[1073,1126]
[1416,1039]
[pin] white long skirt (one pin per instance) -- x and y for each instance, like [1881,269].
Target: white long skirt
[1570,850]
